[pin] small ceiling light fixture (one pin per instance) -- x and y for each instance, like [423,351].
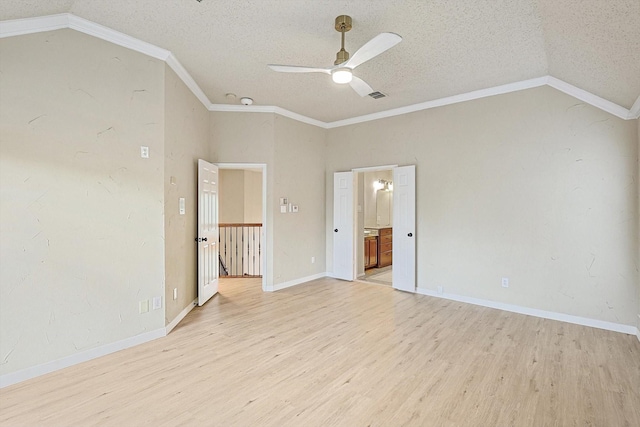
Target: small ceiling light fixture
[246,101]
[342,75]
[231,97]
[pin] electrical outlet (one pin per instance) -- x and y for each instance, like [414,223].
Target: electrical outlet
[505,282]
[143,306]
[175,293]
[294,208]
[157,303]
[144,152]
[313,260]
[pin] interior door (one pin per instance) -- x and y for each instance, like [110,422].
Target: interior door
[343,226]
[207,231]
[404,228]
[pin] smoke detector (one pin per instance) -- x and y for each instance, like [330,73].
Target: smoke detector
[246,101]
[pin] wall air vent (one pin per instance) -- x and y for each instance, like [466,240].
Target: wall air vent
[377,95]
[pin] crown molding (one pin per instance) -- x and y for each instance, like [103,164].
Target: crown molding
[186,78]
[19,27]
[634,112]
[229,108]
[589,98]
[469,96]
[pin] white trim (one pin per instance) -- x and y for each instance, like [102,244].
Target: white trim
[588,97]
[300,117]
[84,356]
[186,78]
[584,321]
[374,168]
[634,112]
[476,94]
[116,37]
[229,108]
[180,316]
[18,27]
[295,282]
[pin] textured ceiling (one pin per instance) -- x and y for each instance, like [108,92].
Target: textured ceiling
[449,47]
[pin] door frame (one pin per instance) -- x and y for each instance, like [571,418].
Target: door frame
[356,234]
[264,248]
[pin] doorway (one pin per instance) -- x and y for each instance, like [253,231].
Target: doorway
[349,232]
[374,218]
[243,225]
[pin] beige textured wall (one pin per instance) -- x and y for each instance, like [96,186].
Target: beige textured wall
[252,197]
[248,138]
[533,185]
[231,196]
[81,214]
[299,175]
[294,154]
[186,141]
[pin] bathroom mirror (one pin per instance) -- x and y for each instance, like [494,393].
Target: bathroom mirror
[384,203]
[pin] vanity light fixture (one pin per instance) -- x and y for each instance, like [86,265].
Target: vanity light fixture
[383,184]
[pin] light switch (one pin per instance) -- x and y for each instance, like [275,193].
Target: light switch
[157,303]
[283,209]
[182,206]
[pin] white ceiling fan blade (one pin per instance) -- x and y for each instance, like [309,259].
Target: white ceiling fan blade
[360,86]
[373,48]
[296,69]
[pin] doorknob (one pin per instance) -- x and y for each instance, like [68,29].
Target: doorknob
[336,230]
[410,234]
[203,239]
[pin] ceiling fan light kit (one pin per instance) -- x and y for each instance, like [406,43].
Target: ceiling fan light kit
[342,75]
[342,71]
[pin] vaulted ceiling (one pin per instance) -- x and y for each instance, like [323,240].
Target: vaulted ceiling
[449,47]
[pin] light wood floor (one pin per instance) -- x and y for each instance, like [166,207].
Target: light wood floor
[331,353]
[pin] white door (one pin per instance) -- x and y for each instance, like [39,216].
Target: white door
[343,220]
[404,228]
[207,231]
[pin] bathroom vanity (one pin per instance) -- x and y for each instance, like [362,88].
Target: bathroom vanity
[378,247]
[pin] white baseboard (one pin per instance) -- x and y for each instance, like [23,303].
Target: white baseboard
[295,282]
[45,368]
[584,321]
[180,316]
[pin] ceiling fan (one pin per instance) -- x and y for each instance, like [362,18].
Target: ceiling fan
[342,71]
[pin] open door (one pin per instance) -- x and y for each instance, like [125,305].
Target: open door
[404,228]
[343,226]
[207,231]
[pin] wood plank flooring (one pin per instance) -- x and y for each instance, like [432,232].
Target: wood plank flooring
[332,353]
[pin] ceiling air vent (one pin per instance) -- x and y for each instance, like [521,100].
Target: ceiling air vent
[377,95]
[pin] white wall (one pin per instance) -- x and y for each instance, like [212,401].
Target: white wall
[81,214]
[533,185]
[186,141]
